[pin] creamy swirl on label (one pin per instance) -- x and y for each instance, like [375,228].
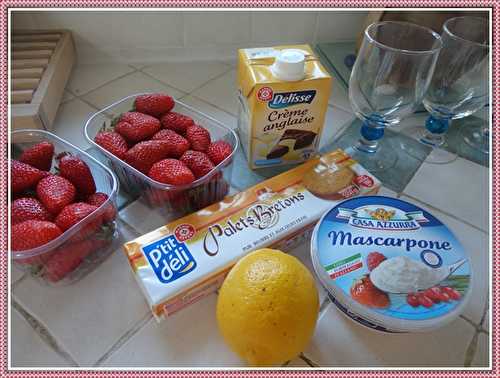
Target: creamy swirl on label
[403,275]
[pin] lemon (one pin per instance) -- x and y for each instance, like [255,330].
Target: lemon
[268,307]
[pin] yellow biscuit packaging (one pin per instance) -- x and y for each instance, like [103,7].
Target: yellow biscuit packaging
[283,96]
[187,259]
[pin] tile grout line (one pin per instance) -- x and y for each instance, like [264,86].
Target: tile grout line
[476,326]
[308,361]
[446,213]
[124,338]
[79,96]
[471,350]
[44,333]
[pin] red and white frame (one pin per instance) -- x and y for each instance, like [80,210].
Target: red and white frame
[494,5]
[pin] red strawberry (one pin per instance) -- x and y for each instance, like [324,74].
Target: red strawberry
[178,144]
[171,171]
[39,155]
[154,104]
[23,209]
[177,122]
[218,151]
[73,213]
[24,176]
[33,233]
[198,162]
[374,259]
[112,142]
[78,172]
[97,199]
[55,192]
[69,257]
[198,137]
[144,154]
[135,127]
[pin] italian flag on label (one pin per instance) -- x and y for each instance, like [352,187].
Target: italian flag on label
[344,266]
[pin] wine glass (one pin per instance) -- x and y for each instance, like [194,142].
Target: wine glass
[458,88]
[391,74]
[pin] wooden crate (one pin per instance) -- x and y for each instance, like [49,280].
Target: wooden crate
[41,62]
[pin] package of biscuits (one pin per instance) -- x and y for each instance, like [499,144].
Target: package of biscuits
[187,259]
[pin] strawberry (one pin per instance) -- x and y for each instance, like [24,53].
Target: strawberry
[136,127]
[171,171]
[55,192]
[112,142]
[33,233]
[154,104]
[69,257]
[97,199]
[178,144]
[365,292]
[39,155]
[198,137]
[374,259]
[177,122]
[78,172]
[218,151]
[144,154]
[24,176]
[74,213]
[23,209]
[198,162]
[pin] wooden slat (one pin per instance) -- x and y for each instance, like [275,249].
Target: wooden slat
[29,63]
[35,37]
[20,97]
[23,73]
[25,83]
[33,46]
[32,54]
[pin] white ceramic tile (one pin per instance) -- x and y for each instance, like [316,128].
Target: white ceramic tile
[335,121]
[273,27]
[339,96]
[297,362]
[148,29]
[189,338]
[91,27]
[90,315]
[215,28]
[459,188]
[27,347]
[15,274]
[383,191]
[339,26]
[70,121]
[303,253]
[67,96]
[186,76]
[482,354]
[221,92]
[143,218]
[340,342]
[476,244]
[87,77]
[220,115]
[136,82]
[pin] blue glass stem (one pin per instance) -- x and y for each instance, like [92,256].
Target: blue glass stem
[435,128]
[371,132]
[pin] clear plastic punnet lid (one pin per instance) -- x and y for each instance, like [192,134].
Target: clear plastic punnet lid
[391,264]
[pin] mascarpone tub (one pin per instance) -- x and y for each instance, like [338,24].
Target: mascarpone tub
[390,265]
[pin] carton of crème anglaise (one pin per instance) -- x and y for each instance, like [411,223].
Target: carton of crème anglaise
[187,259]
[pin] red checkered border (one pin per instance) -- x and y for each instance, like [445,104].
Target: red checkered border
[245,4]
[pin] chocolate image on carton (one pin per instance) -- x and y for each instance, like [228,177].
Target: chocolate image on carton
[187,259]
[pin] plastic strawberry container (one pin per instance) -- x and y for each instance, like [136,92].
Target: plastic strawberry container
[178,200]
[39,261]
